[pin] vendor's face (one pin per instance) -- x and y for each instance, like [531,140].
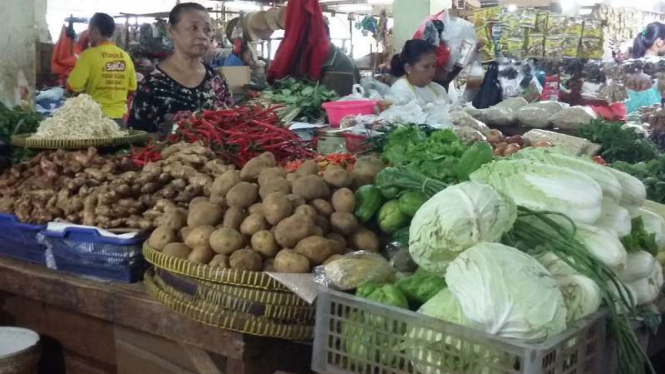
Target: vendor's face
[192,34]
[422,72]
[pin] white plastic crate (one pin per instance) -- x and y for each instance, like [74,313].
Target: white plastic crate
[354,335]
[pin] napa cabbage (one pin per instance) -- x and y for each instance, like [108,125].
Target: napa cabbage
[603,245]
[654,224]
[633,192]
[456,219]
[614,218]
[544,188]
[609,184]
[506,292]
[581,295]
[647,289]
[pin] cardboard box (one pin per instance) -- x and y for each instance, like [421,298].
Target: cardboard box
[237,77]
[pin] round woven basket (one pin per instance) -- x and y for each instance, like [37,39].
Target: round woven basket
[249,279]
[23,140]
[229,320]
[191,291]
[202,288]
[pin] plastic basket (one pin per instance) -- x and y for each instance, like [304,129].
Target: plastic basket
[85,251]
[337,110]
[354,335]
[19,240]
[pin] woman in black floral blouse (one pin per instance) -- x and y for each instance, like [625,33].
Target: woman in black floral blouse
[182,82]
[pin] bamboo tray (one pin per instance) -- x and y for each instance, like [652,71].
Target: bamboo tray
[191,291]
[228,320]
[23,140]
[249,279]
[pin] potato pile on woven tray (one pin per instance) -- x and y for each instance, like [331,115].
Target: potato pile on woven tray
[263,218]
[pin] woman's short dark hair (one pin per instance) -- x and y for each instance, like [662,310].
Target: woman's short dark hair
[104,23]
[176,13]
[412,52]
[647,38]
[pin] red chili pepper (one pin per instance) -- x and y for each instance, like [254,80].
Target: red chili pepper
[599,160]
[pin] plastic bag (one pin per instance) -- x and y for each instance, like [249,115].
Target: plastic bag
[490,90]
[353,270]
[456,34]
[573,118]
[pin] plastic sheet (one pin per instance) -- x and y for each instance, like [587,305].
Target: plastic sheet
[353,270]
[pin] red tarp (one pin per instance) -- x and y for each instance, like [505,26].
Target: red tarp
[304,49]
[65,53]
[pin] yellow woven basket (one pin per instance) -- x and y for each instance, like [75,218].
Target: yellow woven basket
[23,140]
[228,320]
[210,290]
[250,279]
[191,292]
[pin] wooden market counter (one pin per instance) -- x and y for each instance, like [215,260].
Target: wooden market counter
[105,328]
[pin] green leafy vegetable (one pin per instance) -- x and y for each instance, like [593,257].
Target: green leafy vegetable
[304,95]
[435,156]
[618,144]
[639,239]
[651,173]
[18,121]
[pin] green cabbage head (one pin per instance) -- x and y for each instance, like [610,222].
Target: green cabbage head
[456,219]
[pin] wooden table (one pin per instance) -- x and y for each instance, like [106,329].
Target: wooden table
[106,328]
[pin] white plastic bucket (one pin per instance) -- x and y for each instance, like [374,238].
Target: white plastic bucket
[19,351]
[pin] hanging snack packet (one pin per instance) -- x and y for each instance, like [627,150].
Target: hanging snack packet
[479,17]
[593,28]
[529,17]
[570,46]
[591,48]
[573,26]
[554,46]
[536,45]
[556,25]
[541,23]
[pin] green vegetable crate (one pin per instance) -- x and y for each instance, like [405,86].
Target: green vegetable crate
[354,335]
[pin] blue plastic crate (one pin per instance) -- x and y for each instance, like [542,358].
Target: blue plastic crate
[85,251]
[127,274]
[19,240]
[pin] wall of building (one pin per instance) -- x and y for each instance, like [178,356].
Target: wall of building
[18,57]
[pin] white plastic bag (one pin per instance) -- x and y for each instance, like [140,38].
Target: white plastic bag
[455,33]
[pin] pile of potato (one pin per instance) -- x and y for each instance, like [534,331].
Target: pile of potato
[263,218]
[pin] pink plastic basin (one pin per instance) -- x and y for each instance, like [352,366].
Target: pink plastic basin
[337,110]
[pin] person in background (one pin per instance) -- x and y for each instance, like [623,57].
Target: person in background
[105,72]
[416,68]
[243,57]
[650,42]
[182,82]
[340,63]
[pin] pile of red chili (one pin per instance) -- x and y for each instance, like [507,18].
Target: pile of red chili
[236,135]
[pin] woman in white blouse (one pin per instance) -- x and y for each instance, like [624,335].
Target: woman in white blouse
[416,67]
